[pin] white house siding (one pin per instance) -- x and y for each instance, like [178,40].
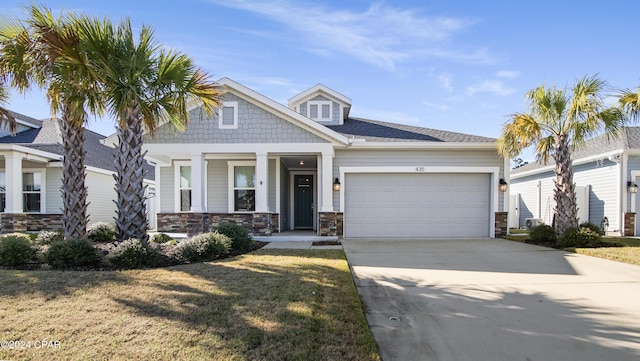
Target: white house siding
[426,158]
[601,177]
[167,190]
[100,194]
[217,186]
[52,189]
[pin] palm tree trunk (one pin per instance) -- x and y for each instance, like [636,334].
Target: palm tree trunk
[565,195]
[131,214]
[74,191]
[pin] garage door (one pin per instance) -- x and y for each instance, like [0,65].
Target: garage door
[417,205]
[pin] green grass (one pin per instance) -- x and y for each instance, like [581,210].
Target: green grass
[265,305]
[628,242]
[518,231]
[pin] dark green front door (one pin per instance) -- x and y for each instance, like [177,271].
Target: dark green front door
[303,201]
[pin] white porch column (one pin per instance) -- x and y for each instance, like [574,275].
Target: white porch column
[262,190]
[13,176]
[198,203]
[327,182]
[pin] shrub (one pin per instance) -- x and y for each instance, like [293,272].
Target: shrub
[133,254]
[102,232]
[16,250]
[72,252]
[593,227]
[161,238]
[581,237]
[203,247]
[240,240]
[49,237]
[543,233]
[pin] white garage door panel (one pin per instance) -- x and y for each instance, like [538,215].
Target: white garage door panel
[417,205]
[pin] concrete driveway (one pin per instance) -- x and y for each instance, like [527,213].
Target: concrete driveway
[493,299]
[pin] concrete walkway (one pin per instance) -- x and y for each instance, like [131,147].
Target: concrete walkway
[495,300]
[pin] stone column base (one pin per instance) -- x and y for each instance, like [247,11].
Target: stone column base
[330,224]
[501,228]
[629,224]
[29,222]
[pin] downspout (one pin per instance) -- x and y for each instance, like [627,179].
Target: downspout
[506,196]
[623,190]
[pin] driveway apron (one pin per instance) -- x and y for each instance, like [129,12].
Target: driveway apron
[493,299]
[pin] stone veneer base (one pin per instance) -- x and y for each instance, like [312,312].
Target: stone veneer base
[259,224]
[29,222]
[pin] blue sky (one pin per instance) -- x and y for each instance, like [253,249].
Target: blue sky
[462,66]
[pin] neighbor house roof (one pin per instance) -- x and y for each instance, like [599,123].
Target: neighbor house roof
[600,145]
[48,138]
[21,118]
[377,131]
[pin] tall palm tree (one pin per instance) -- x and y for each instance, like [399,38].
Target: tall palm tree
[145,85]
[558,121]
[629,102]
[47,52]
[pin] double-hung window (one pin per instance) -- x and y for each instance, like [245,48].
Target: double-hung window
[184,188]
[243,186]
[320,110]
[31,191]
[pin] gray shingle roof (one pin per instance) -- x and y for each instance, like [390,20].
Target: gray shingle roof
[48,139]
[26,119]
[377,131]
[628,139]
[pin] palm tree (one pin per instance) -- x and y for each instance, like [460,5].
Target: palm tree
[48,52]
[629,102]
[559,120]
[145,85]
[6,118]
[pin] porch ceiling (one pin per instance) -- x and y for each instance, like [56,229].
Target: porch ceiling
[293,162]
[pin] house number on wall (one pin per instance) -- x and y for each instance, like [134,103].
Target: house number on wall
[419,169]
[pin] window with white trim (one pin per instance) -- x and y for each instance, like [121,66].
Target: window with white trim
[320,110]
[31,192]
[228,115]
[184,188]
[183,184]
[242,195]
[3,192]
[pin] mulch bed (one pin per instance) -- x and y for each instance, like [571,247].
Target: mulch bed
[326,243]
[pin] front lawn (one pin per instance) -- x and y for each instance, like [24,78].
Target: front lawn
[622,254]
[265,305]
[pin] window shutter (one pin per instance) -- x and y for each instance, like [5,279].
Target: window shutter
[228,115]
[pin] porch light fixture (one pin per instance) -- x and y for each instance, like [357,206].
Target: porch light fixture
[503,185]
[336,185]
[633,187]
[301,162]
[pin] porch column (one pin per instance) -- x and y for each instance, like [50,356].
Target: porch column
[13,176]
[262,191]
[326,175]
[198,203]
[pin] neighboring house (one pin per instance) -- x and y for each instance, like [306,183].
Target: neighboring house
[310,165]
[602,170]
[31,177]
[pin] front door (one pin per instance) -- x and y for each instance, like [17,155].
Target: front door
[303,201]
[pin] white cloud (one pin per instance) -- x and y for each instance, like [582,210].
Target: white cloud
[380,35]
[510,74]
[490,86]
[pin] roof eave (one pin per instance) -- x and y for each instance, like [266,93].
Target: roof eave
[423,145]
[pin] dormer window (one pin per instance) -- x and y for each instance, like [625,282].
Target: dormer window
[320,110]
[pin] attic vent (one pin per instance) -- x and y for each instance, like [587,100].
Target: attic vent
[228,115]
[313,111]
